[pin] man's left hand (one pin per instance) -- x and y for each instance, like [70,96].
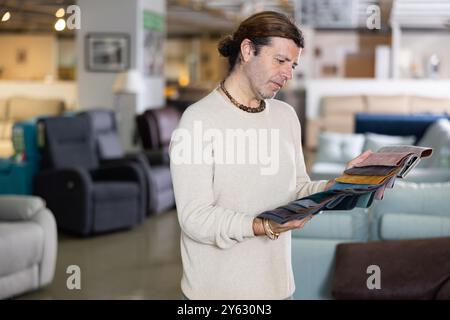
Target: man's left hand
[363,156]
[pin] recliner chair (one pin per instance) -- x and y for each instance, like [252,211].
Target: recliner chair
[159,190]
[28,245]
[86,198]
[155,127]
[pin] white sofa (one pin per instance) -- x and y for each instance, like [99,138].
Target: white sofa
[28,245]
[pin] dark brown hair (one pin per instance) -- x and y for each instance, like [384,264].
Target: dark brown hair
[258,28]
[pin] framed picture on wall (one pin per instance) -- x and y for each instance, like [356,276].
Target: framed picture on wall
[107,52]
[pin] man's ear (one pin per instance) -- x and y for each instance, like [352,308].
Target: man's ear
[247,50]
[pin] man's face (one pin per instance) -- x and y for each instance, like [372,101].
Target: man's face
[272,67]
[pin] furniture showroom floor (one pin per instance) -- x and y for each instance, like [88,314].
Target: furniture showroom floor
[142,263]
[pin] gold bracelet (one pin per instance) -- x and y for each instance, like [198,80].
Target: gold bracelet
[268,230]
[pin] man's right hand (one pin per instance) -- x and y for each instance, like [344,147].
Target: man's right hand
[258,228]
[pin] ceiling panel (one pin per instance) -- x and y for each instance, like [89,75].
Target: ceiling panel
[431,14]
[199,17]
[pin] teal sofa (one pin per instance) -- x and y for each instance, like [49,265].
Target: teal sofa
[17,172]
[408,211]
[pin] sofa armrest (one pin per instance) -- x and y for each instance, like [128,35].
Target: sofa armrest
[45,219]
[67,193]
[60,181]
[16,208]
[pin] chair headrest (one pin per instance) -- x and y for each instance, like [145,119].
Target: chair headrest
[101,120]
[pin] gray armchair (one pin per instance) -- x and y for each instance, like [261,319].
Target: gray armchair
[28,245]
[155,165]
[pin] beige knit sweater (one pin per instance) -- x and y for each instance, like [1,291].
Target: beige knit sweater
[220,188]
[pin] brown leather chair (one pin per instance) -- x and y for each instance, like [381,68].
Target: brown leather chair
[155,127]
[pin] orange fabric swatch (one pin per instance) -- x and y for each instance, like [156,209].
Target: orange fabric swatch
[357,179]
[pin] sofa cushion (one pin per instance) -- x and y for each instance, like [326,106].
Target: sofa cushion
[395,124]
[428,104]
[21,246]
[399,198]
[396,226]
[23,108]
[326,170]
[13,207]
[337,224]
[430,175]
[339,123]
[413,199]
[109,146]
[339,147]
[374,141]
[102,120]
[107,191]
[387,104]
[437,136]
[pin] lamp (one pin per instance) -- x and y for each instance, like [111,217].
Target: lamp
[126,87]
[129,81]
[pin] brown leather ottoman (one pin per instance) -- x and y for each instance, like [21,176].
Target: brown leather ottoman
[409,269]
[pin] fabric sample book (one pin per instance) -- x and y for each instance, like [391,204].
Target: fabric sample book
[357,187]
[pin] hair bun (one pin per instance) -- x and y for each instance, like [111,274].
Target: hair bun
[226,46]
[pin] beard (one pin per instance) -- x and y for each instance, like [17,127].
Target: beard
[267,95]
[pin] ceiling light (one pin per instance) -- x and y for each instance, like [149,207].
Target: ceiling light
[60,13]
[60,25]
[6,16]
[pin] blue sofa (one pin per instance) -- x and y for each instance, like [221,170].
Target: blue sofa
[396,124]
[408,211]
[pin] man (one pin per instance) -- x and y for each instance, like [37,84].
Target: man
[237,152]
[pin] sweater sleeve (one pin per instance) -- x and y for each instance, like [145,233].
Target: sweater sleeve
[199,217]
